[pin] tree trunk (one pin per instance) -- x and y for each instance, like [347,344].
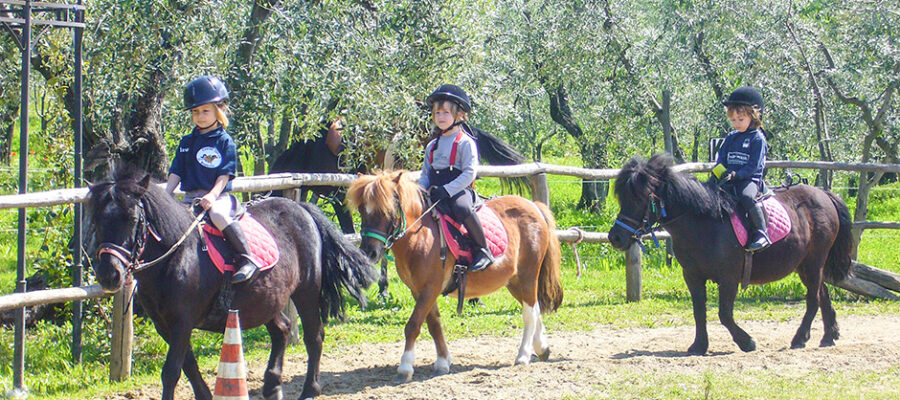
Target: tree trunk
[593,192]
[240,74]
[593,155]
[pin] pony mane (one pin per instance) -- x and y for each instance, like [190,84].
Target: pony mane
[379,193]
[168,216]
[679,189]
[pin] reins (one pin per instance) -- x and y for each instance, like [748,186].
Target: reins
[140,266]
[131,258]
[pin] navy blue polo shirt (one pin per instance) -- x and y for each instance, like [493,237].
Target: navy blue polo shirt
[745,154]
[200,158]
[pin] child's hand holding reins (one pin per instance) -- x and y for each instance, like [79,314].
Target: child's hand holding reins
[207,200]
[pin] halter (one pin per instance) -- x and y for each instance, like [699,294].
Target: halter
[649,223]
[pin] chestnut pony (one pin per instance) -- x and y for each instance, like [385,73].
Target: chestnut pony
[697,217]
[391,203]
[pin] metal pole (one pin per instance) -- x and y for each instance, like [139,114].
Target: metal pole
[77,256]
[19,352]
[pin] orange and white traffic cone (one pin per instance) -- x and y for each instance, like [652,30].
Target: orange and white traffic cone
[231,377]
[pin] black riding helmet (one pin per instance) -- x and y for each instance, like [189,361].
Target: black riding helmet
[450,92]
[745,95]
[204,90]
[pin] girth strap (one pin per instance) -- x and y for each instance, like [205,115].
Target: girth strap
[746,269]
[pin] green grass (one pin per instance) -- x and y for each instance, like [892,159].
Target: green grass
[755,384]
[598,297]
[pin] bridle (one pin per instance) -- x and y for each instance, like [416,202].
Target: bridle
[398,229]
[131,258]
[649,223]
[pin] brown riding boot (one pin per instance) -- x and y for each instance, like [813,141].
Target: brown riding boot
[245,264]
[481,256]
[760,238]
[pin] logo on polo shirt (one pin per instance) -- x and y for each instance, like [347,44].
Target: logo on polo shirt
[209,157]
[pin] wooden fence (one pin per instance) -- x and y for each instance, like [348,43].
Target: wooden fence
[120,362]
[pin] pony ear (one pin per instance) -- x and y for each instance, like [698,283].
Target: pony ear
[396,176]
[145,183]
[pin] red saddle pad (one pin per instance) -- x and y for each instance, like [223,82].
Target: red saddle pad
[262,244]
[779,222]
[494,231]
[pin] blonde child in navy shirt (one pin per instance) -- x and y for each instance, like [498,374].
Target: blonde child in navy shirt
[205,163]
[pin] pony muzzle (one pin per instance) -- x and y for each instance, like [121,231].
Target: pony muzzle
[110,270]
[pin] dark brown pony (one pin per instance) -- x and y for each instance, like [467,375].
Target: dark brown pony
[137,222]
[696,215]
[390,202]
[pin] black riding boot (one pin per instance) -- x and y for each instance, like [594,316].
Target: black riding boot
[760,237]
[244,262]
[481,256]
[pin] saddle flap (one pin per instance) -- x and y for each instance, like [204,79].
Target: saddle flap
[262,244]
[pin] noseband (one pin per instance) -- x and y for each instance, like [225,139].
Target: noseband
[397,228]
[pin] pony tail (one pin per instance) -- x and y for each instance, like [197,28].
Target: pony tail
[550,292]
[837,265]
[344,266]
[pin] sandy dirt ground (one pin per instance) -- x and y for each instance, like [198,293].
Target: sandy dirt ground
[580,361]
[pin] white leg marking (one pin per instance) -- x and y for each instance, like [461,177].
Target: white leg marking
[406,363]
[525,352]
[442,365]
[540,338]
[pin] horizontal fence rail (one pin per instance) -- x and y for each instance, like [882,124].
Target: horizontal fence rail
[121,340]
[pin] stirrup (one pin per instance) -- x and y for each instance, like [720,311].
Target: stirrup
[246,272]
[761,242]
[482,260]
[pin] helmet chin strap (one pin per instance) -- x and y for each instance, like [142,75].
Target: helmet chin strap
[449,128]
[207,127]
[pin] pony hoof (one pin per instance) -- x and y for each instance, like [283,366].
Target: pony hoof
[748,346]
[439,372]
[403,378]
[798,345]
[696,350]
[523,360]
[826,343]
[545,355]
[277,395]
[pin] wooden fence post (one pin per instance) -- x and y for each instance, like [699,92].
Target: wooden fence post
[293,194]
[122,334]
[540,190]
[633,273]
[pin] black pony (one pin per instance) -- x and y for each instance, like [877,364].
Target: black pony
[137,222]
[696,215]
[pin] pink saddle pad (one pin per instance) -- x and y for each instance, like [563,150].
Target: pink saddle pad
[494,231]
[262,245]
[779,222]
